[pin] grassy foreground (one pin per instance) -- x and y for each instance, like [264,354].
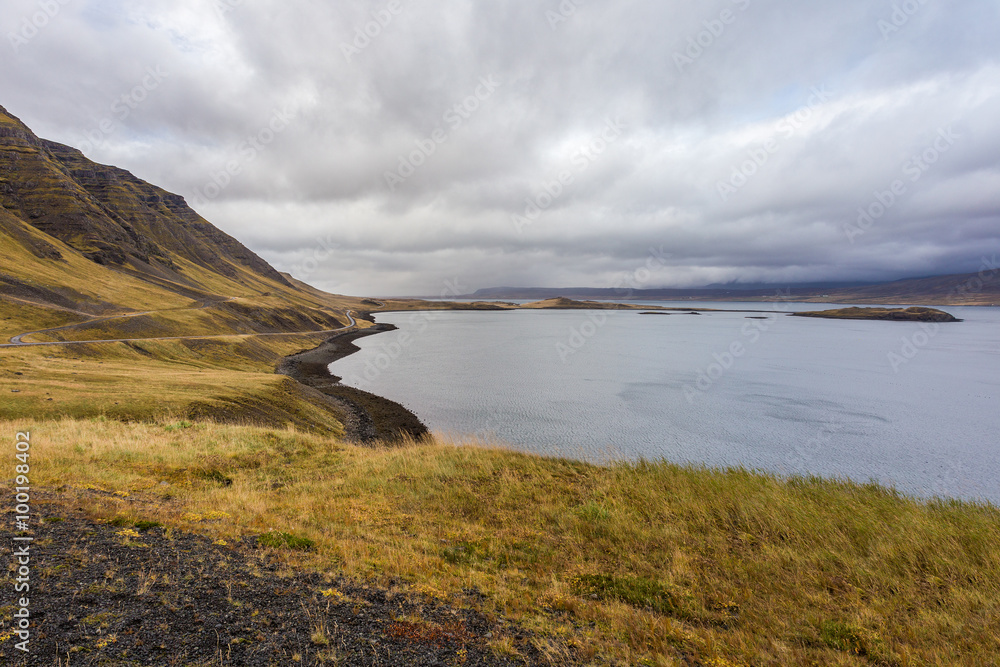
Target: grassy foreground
[649,564]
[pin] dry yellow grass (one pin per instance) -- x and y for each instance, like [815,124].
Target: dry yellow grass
[649,564]
[15,314]
[228,379]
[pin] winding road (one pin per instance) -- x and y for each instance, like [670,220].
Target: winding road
[18,340]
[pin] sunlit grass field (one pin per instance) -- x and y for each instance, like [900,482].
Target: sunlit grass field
[647,563]
[229,380]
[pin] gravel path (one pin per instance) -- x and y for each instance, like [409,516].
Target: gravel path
[18,340]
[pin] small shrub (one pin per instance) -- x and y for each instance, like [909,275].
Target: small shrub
[460,553]
[217,476]
[636,591]
[851,639]
[592,512]
[179,426]
[100,620]
[319,636]
[277,540]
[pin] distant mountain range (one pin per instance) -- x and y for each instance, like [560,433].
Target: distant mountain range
[982,289]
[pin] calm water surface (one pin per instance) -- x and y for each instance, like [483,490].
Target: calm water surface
[909,405]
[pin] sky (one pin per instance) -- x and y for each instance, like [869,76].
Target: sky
[410,147]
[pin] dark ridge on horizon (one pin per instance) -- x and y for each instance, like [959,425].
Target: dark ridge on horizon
[981,288]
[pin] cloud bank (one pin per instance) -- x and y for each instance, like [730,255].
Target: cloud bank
[385,147]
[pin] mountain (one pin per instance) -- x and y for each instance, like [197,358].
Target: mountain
[90,239]
[89,252]
[975,289]
[738,286]
[114,219]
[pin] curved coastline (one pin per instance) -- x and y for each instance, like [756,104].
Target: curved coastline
[369,417]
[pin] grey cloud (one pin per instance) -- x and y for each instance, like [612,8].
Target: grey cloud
[690,124]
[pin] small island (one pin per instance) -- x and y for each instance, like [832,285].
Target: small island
[562,303]
[658,312]
[914,314]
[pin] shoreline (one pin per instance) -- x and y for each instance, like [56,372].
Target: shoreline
[370,418]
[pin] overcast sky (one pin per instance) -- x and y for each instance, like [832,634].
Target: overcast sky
[393,147]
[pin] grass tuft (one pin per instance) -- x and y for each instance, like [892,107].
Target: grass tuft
[179,426]
[636,591]
[276,540]
[854,640]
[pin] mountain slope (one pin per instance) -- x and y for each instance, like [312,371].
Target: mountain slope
[113,219]
[79,238]
[974,289]
[89,252]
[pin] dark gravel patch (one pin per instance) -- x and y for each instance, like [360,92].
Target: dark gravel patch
[102,596]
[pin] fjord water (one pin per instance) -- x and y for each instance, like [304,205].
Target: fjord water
[909,405]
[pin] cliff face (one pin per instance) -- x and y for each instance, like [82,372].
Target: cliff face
[112,217]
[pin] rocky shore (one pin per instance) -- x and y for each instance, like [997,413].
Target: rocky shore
[370,418]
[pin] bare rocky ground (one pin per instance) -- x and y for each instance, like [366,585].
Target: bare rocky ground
[104,594]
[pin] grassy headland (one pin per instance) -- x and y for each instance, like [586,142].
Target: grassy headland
[646,563]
